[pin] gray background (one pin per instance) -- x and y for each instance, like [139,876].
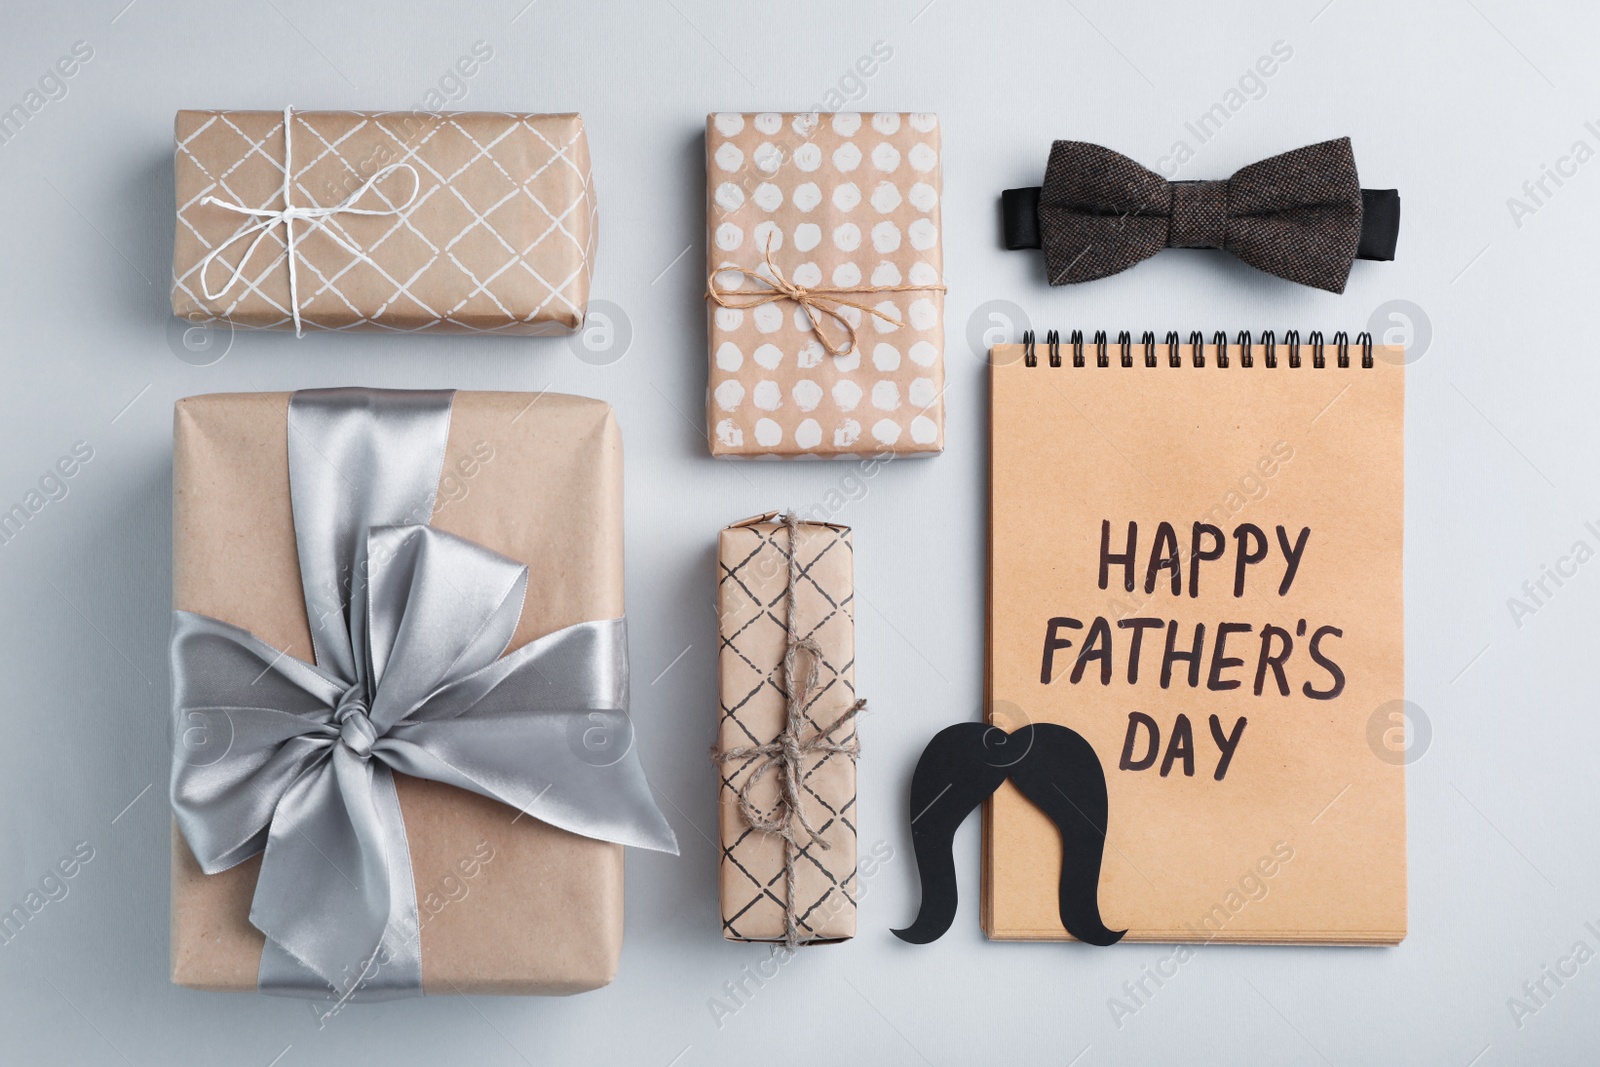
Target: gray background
[1456,103]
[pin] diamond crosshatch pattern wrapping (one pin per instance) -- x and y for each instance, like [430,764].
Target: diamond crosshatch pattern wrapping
[499,238]
[752,606]
[843,201]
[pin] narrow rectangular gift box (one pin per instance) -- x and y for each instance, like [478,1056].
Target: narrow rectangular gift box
[772,722]
[507,903]
[827,337]
[404,221]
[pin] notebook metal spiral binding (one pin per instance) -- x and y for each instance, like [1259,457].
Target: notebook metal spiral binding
[1244,342]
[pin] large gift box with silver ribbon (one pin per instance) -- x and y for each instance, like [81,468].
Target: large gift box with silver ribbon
[403,762]
[403,221]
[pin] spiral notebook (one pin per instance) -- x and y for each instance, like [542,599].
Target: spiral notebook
[1196,564]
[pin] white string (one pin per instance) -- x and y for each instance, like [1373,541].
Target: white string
[267,218]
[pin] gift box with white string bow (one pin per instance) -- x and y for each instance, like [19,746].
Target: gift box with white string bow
[403,221]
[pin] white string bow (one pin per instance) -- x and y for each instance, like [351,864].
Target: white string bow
[268,218]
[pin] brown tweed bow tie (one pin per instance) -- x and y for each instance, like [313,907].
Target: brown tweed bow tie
[1301,215]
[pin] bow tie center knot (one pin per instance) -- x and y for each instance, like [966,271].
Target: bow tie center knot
[355,726]
[1199,215]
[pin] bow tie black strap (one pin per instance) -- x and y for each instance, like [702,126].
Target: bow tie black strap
[1380,221]
[1301,215]
[1380,224]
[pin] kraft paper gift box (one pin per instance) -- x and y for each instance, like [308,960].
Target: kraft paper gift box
[508,904]
[847,206]
[752,605]
[483,223]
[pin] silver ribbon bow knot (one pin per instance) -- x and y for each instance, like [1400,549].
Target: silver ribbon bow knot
[409,677]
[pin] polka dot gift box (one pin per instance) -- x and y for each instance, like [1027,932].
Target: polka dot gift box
[825,285]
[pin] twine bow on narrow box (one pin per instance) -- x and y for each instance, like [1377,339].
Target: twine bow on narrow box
[803,741]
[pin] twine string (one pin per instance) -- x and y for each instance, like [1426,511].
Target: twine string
[819,302]
[785,754]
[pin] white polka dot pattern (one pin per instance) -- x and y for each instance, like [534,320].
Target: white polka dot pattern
[847,200]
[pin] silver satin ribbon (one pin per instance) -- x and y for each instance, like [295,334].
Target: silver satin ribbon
[408,625]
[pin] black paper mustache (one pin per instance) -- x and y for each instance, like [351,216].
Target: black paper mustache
[1056,769]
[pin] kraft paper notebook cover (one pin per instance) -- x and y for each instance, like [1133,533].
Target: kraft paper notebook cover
[1271,808]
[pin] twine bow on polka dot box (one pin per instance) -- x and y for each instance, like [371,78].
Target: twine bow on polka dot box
[825,285]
